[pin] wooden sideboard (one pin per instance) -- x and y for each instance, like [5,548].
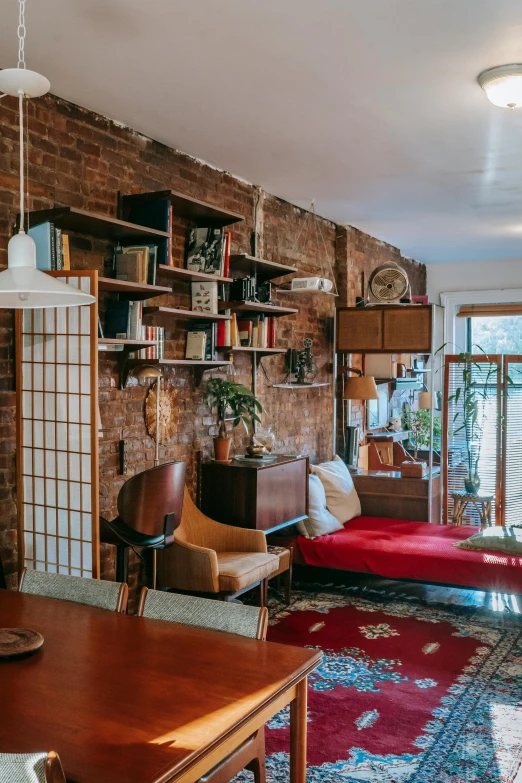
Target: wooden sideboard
[259,496]
[388,494]
[386,329]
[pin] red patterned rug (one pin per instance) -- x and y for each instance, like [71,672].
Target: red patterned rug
[406,693]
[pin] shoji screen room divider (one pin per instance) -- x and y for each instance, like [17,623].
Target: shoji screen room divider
[57,434]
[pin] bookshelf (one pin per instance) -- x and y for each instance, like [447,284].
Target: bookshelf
[248,349]
[243,264]
[256,308]
[186,275]
[192,315]
[199,212]
[298,385]
[106,343]
[129,290]
[96,225]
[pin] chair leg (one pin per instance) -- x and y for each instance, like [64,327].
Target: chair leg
[122,563]
[258,765]
[288,585]
[263,592]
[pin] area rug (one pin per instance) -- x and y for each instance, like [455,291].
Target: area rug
[406,693]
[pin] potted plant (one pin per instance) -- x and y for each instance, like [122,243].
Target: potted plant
[417,422]
[239,401]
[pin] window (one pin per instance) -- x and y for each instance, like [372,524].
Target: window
[495,334]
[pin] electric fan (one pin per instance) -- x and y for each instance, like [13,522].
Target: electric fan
[388,284]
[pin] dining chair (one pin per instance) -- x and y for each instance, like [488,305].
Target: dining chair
[31,768]
[93,592]
[210,557]
[249,621]
[149,511]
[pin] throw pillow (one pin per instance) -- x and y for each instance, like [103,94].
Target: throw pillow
[497,539]
[342,499]
[320,521]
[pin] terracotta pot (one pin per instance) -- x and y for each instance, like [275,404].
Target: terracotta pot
[221,449]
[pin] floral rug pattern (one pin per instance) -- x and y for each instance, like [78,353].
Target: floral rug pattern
[406,692]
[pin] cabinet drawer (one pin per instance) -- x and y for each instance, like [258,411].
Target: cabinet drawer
[407,329]
[281,494]
[359,330]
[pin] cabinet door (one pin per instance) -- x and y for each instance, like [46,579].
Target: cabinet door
[407,329]
[359,330]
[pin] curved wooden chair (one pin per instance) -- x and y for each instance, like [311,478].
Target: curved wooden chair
[31,768]
[249,621]
[149,511]
[209,557]
[93,592]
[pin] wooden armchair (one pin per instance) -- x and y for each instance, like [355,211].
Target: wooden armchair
[209,557]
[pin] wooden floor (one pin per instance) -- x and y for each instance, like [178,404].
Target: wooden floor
[497,602]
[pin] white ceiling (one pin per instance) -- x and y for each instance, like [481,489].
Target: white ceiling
[369,106]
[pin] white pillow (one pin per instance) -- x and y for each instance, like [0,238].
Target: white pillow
[342,499]
[320,521]
[498,539]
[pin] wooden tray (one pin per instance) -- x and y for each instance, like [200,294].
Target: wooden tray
[19,641]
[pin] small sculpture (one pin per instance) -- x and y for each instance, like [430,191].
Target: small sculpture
[305,367]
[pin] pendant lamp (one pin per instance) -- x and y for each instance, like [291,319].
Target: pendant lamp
[22,285]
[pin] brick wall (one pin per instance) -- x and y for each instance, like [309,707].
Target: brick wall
[81,159]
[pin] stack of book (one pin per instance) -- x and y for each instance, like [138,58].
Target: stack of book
[256,332]
[208,251]
[124,320]
[136,263]
[52,247]
[153,351]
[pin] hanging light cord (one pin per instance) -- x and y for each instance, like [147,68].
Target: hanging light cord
[21,64]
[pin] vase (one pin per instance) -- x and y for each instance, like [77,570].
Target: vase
[221,449]
[472,484]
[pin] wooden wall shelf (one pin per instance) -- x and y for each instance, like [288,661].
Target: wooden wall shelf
[191,277]
[298,385]
[267,270]
[105,343]
[257,307]
[248,349]
[130,290]
[95,224]
[200,367]
[174,312]
[186,207]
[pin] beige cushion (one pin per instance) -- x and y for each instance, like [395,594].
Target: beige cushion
[342,499]
[238,570]
[320,521]
[283,553]
[497,539]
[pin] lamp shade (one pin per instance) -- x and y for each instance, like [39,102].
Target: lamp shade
[503,85]
[22,285]
[147,371]
[360,388]
[425,401]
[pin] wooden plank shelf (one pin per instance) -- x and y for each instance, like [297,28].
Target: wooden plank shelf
[199,366]
[199,212]
[108,343]
[196,315]
[298,385]
[267,270]
[96,225]
[131,290]
[249,349]
[257,307]
[191,277]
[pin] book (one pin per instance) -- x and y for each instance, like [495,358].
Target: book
[209,328]
[157,215]
[58,248]
[153,262]
[66,251]
[205,250]
[196,345]
[204,297]
[117,322]
[234,332]
[128,267]
[41,235]
[220,343]
[244,328]
[226,260]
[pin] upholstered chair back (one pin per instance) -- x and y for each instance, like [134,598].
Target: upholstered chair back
[196,528]
[30,768]
[94,592]
[250,621]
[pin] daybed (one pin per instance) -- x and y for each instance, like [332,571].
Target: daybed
[418,551]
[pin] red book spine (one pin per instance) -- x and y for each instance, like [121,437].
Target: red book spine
[271,332]
[221,334]
[226,264]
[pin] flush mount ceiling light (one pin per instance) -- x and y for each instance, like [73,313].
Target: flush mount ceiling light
[22,285]
[503,85]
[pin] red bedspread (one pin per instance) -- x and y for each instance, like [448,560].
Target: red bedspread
[413,550]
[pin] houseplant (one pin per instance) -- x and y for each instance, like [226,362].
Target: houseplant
[417,422]
[233,398]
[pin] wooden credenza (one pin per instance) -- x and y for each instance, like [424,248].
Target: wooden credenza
[388,494]
[386,329]
[258,496]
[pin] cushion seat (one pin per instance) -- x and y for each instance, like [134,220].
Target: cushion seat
[284,555]
[238,570]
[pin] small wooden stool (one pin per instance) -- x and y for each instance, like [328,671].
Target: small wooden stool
[481,502]
[285,567]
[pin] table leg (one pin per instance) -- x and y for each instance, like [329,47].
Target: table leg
[298,734]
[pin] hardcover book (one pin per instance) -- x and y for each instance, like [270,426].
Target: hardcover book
[204,297]
[44,240]
[205,250]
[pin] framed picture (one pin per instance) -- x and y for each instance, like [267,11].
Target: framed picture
[423,300]
[377,410]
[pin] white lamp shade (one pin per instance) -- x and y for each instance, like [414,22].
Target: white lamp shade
[24,286]
[503,85]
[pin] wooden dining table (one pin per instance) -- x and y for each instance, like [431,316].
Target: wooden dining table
[126,699]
